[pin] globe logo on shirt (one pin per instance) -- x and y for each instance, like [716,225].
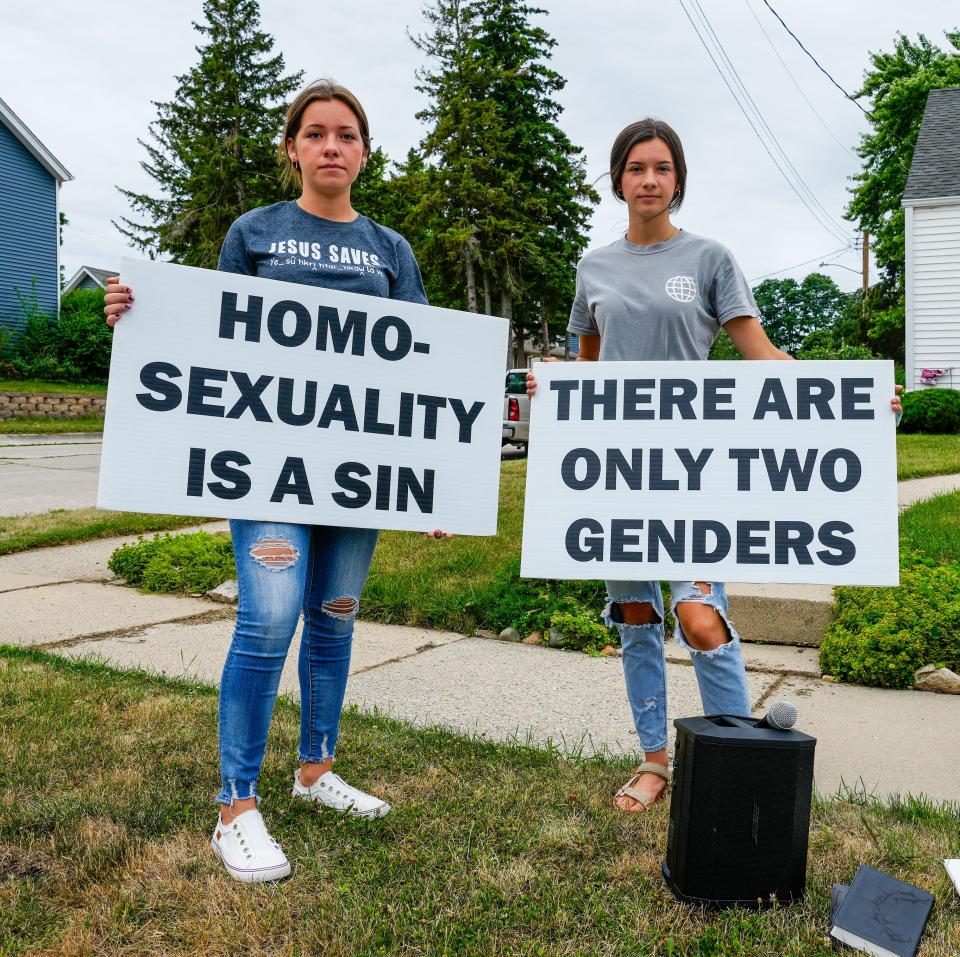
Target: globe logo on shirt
[682,288]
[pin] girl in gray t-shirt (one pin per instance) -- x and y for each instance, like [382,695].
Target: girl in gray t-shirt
[660,293]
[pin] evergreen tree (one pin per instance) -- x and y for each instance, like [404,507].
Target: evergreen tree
[213,145]
[535,246]
[507,200]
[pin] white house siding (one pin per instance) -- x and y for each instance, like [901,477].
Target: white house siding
[933,292]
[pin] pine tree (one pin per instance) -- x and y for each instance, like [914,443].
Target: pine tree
[508,199]
[536,247]
[213,145]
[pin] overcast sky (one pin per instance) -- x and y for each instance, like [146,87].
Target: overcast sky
[82,77]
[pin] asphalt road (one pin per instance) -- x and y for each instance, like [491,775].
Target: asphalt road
[41,473]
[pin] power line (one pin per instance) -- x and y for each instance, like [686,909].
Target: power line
[806,262]
[812,57]
[757,112]
[822,218]
[813,109]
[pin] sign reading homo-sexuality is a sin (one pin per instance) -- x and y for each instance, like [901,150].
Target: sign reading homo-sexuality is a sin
[251,398]
[713,471]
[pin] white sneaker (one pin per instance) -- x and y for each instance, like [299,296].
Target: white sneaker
[332,791]
[247,850]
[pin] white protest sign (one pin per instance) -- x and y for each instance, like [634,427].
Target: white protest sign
[251,398]
[713,471]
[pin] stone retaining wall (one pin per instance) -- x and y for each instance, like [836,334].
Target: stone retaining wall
[50,405]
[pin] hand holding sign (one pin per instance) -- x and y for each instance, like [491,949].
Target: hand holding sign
[249,398]
[760,471]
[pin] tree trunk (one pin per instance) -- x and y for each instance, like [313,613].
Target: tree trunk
[487,295]
[471,281]
[506,308]
[544,331]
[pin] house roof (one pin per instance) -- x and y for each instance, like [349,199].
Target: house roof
[26,136]
[935,169]
[99,276]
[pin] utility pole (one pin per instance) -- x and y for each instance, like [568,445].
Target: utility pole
[866,263]
[866,274]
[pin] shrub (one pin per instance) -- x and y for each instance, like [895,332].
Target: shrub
[527,603]
[932,411]
[194,562]
[881,636]
[582,629]
[83,339]
[74,349]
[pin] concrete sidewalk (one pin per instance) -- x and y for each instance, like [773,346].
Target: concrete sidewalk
[884,742]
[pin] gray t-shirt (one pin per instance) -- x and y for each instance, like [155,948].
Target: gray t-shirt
[666,301]
[286,242]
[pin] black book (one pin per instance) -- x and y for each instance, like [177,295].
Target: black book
[880,915]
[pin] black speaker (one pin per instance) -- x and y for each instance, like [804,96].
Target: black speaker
[739,812]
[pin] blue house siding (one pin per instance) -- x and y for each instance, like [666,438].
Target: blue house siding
[28,231]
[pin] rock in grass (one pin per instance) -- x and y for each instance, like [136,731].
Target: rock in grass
[942,680]
[610,650]
[510,634]
[225,592]
[485,633]
[555,639]
[534,638]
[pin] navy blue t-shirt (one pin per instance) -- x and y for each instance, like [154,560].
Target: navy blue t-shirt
[286,242]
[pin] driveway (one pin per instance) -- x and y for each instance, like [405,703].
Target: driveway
[41,473]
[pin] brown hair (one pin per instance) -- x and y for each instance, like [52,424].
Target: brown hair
[640,132]
[318,90]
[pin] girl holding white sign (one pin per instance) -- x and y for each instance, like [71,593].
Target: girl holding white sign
[283,569]
[661,293]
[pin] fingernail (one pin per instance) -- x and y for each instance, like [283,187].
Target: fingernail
[126,305]
[126,289]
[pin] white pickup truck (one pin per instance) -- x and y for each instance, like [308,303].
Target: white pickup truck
[516,409]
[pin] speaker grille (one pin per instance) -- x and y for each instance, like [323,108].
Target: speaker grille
[739,817]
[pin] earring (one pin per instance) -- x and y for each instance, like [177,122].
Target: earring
[296,166]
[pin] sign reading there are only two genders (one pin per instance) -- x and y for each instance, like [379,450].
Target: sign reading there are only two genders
[713,471]
[242,397]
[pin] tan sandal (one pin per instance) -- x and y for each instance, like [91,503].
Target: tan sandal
[648,767]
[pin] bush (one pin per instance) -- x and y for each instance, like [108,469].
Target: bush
[188,563]
[881,636]
[932,411]
[536,604]
[74,349]
[83,339]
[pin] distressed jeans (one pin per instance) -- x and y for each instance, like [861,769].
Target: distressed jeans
[281,570]
[721,676]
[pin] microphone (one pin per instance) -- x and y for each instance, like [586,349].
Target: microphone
[781,716]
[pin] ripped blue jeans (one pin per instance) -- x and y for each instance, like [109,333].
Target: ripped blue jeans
[720,673]
[284,569]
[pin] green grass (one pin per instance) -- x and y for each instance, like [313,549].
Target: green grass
[41,426]
[920,455]
[68,526]
[933,527]
[38,385]
[421,581]
[492,849]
